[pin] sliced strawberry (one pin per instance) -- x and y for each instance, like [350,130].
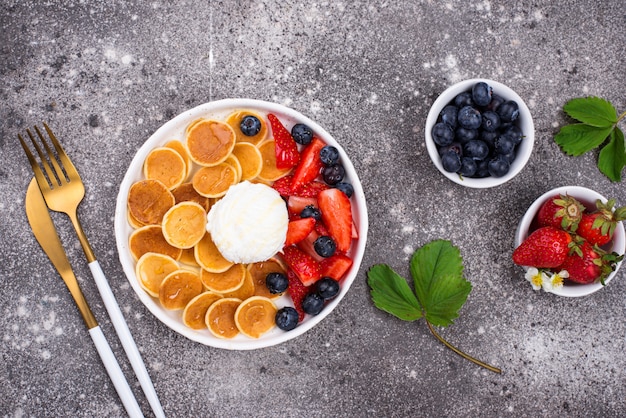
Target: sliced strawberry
[321,229]
[310,164]
[297,292]
[355,231]
[337,216]
[311,189]
[283,186]
[287,155]
[298,230]
[336,266]
[306,267]
[295,204]
[306,244]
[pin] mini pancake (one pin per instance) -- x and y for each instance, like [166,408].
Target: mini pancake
[134,223]
[245,291]
[187,257]
[214,181]
[178,288]
[179,147]
[227,281]
[148,200]
[234,120]
[209,142]
[234,162]
[255,316]
[208,256]
[194,315]
[150,239]
[269,171]
[151,269]
[184,224]
[166,165]
[250,159]
[258,273]
[220,318]
[186,193]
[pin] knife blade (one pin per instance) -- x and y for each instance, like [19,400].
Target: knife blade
[46,234]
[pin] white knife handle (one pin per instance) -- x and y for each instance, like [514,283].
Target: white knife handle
[126,338]
[115,373]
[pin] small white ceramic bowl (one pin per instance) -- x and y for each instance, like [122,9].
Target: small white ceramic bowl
[175,129]
[588,198]
[524,121]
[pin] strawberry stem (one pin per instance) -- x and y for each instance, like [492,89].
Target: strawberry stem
[461,353]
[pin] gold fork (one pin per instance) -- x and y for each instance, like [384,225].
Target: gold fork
[63,190]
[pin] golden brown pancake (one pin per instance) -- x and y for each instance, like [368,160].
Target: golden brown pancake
[151,269]
[150,239]
[166,165]
[148,200]
[194,315]
[245,291]
[184,224]
[255,316]
[227,281]
[259,271]
[234,120]
[186,193]
[208,256]
[250,159]
[178,288]
[179,147]
[269,171]
[220,318]
[214,181]
[209,142]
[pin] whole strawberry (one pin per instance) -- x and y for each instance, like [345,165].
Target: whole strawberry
[561,211]
[598,227]
[586,263]
[547,247]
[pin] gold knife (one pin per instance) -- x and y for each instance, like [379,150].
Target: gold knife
[46,234]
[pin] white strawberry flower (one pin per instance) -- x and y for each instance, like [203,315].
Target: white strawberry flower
[536,277]
[555,281]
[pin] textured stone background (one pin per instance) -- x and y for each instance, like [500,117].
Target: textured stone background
[106,75]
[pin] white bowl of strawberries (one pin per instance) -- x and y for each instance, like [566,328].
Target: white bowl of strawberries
[571,241]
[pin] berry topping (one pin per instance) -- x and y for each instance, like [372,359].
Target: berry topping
[324,246]
[301,133]
[337,216]
[250,125]
[310,164]
[333,174]
[287,318]
[306,267]
[313,304]
[287,155]
[346,188]
[299,229]
[327,287]
[297,291]
[329,155]
[310,211]
[276,282]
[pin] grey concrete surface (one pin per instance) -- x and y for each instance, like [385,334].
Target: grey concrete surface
[106,75]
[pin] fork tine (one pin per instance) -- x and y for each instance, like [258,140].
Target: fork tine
[52,179]
[41,178]
[60,174]
[70,169]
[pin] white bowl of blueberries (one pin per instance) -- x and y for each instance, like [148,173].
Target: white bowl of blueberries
[479,133]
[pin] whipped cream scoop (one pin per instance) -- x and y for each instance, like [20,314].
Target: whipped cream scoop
[248,224]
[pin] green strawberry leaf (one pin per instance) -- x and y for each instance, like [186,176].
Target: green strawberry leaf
[592,111]
[392,294]
[437,270]
[578,138]
[612,158]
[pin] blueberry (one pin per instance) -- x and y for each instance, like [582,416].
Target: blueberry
[313,304]
[276,282]
[327,287]
[442,134]
[346,188]
[496,101]
[469,118]
[287,318]
[250,125]
[508,111]
[454,147]
[513,132]
[451,161]
[476,149]
[504,145]
[333,174]
[498,166]
[491,121]
[481,93]
[468,167]
[449,114]
[510,157]
[482,169]
[324,246]
[329,155]
[463,99]
[464,135]
[489,138]
[311,211]
[301,133]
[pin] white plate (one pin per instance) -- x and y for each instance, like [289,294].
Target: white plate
[174,129]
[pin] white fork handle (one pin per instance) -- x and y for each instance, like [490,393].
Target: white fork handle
[126,338]
[115,373]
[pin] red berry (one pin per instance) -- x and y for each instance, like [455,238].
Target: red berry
[297,291]
[310,164]
[546,247]
[337,216]
[584,265]
[299,229]
[598,227]
[287,155]
[306,267]
[561,211]
[336,266]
